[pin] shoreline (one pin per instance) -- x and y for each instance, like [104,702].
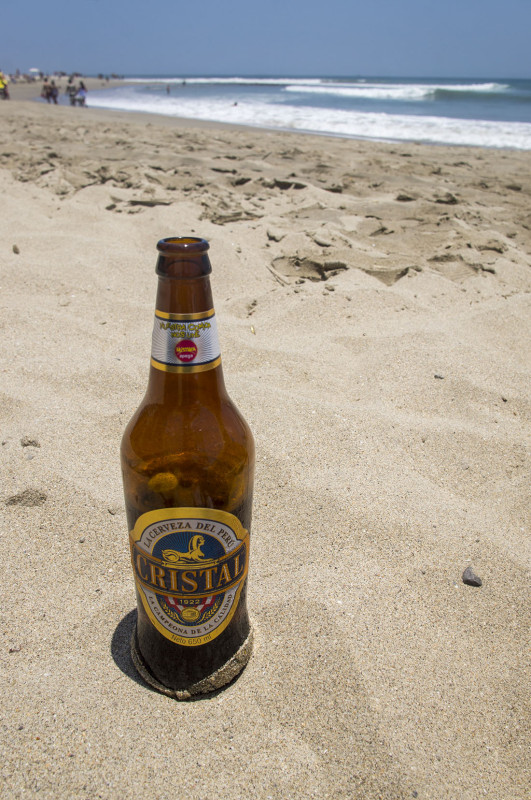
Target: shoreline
[24,92]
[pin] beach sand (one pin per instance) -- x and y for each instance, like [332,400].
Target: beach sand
[373,306]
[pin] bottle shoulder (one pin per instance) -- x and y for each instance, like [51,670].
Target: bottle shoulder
[192,456]
[157,428]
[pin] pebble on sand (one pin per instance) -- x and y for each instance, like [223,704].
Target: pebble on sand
[470,578]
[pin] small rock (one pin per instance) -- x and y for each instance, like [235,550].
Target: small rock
[82,540]
[470,578]
[15,649]
[16,250]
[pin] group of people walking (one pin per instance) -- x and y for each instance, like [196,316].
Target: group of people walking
[50,91]
[76,94]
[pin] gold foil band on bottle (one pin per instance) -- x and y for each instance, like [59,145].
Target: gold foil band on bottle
[185,317]
[184,370]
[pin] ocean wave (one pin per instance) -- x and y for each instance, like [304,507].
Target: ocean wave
[361,88]
[337,122]
[370,91]
[235,81]
[395,91]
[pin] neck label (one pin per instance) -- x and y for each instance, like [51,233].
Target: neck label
[185,342]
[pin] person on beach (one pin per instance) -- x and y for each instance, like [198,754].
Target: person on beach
[71,91]
[46,90]
[81,94]
[54,92]
[4,88]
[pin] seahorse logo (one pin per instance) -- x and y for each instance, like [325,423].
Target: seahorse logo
[176,558]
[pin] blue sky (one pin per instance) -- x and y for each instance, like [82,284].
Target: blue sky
[438,38]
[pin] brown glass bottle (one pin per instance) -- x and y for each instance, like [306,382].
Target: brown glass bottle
[187,463]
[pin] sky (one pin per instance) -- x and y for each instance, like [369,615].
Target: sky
[408,38]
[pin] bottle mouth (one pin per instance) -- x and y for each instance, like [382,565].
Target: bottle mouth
[174,245]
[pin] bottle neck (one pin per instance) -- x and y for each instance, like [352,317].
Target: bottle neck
[185,296]
[186,361]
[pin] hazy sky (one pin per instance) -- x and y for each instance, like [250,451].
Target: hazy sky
[452,38]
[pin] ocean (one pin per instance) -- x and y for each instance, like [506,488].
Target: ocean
[485,113]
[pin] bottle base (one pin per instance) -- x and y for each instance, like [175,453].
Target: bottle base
[217,680]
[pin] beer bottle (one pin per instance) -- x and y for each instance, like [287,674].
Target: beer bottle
[187,463]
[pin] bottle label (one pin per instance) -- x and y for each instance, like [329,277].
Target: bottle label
[185,342]
[190,565]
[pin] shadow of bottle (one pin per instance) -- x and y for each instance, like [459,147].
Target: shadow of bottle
[121,654]
[121,649]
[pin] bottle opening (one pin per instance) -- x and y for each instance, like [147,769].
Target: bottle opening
[183,257]
[182,244]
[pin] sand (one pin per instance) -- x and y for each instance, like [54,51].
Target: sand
[373,306]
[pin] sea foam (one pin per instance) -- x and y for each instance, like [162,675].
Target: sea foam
[268,110]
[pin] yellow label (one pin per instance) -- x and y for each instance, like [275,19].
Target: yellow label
[190,565]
